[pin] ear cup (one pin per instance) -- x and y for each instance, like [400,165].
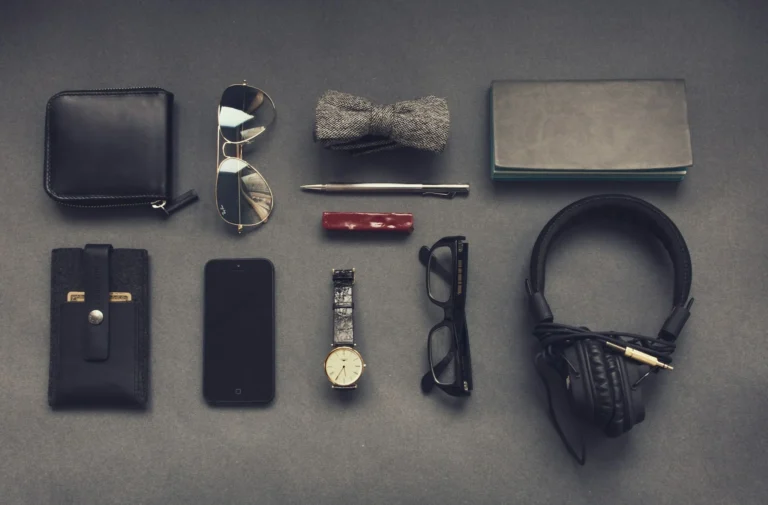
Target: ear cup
[633,397]
[601,387]
[578,384]
[616,426]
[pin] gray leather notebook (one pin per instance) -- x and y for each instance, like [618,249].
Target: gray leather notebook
[590,129]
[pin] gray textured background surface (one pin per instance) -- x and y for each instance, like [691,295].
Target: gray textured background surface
[704,439]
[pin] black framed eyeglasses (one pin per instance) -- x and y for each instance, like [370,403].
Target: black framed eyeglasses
[450,364]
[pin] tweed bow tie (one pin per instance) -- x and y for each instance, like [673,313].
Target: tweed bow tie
[351,123]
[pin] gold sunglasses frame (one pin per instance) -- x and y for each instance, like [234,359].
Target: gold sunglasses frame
[221,157]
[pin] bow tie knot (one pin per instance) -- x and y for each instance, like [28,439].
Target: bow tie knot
[382,120]
[355,124]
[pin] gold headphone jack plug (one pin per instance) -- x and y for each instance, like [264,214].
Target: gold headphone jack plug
[640,356]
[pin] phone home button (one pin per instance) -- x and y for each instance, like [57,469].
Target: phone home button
[238,391]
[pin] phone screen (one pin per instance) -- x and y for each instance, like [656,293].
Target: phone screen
[239,332]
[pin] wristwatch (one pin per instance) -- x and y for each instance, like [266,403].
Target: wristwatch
[344,365]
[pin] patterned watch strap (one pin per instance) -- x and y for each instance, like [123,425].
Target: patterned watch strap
[343,307]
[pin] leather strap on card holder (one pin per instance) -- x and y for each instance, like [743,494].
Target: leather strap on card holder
[96,278]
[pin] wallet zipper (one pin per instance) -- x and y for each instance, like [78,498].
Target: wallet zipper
[161,203]
[176,203]
[147,88]
[167,206]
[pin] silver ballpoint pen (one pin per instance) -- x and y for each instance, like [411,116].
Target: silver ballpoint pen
[445,190]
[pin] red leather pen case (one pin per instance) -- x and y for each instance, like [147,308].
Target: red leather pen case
[368,221]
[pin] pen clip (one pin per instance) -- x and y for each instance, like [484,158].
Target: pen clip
[448,195]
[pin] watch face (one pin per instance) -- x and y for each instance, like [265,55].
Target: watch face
[344,366]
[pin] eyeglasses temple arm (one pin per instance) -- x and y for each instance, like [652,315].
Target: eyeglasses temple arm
[466,368]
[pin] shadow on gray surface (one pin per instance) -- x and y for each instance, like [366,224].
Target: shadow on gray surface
[99,410]
[241,406]
[144,213]
[230,230]
[550,189]
[450,404]
[362,236]
[400,165]
[351,398]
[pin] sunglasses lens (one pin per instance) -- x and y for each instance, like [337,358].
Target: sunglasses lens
[244,113]
[243,196]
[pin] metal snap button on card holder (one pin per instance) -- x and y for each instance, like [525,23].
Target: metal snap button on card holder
[95,317]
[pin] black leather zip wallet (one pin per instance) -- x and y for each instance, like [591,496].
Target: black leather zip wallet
[111,148]
[99,327]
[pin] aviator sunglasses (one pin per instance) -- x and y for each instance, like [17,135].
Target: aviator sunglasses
[243,197]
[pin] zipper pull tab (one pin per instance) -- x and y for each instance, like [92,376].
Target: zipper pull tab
[177,203]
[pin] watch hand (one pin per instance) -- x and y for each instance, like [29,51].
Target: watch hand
[342,370]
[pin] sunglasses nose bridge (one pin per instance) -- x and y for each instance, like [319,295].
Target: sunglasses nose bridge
[224,149]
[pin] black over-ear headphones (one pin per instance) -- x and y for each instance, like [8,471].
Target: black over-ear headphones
[602,370]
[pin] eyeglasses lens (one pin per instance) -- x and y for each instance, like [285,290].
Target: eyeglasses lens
[440,268]
[442,351]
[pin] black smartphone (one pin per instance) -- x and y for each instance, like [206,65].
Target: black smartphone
[239,332]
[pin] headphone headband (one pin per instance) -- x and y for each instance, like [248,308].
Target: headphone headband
[629,209]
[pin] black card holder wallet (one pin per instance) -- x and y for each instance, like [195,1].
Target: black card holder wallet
[99,328]
[111,148]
